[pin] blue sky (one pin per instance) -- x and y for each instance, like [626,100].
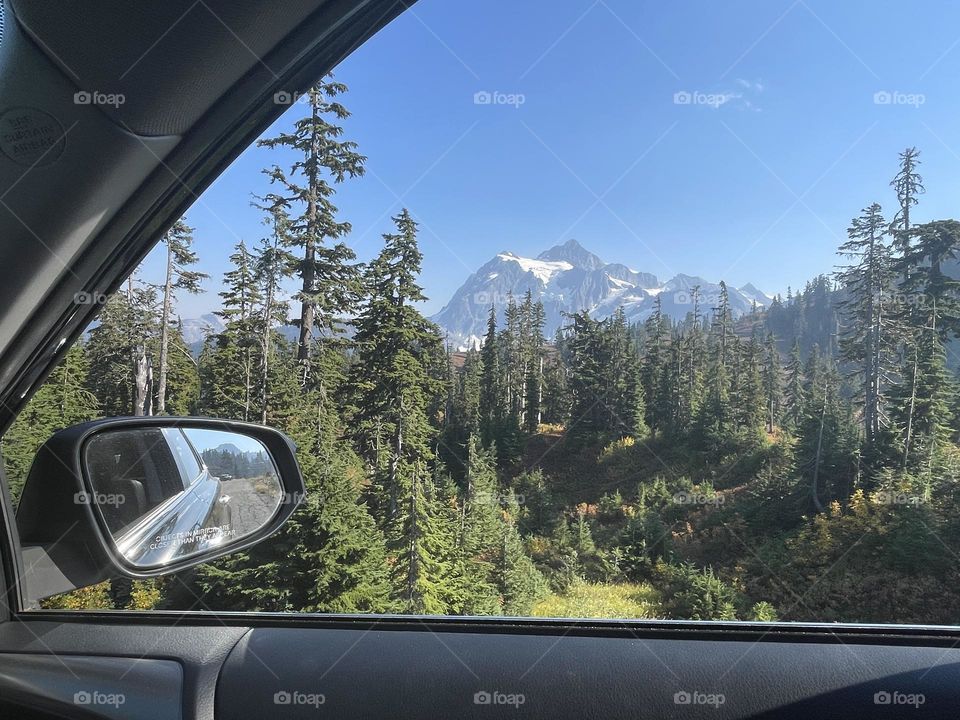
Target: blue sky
[796,113]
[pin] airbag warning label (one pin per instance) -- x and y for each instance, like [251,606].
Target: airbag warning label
[30,137]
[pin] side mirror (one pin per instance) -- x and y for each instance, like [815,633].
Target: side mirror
[147,496]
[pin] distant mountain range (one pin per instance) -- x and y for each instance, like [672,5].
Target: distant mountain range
[569,278]
[196,330]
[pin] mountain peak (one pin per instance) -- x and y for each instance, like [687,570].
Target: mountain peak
[756,295]
[574,253]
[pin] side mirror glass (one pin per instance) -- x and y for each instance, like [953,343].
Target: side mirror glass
[168,493]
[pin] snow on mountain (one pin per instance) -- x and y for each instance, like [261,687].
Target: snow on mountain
[567,279]
[195,330]
[543,270]
[751,292]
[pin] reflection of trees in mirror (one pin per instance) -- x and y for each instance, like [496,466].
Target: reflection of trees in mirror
[231,463]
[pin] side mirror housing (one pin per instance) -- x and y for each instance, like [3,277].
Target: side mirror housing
[142,497]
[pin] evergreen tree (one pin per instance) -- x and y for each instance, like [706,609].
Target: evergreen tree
[534,360]
[392,390]
[716,416]
[517,578]
[689,368]
[795,397]
[462,418]
[924,283]
[907,185]
[180,256]
[921,404]
[868,342]
[238,345]
[827,453]
[654,366]
[772,383]
[272,265]
[120,349]
[749,395]
[183,378]
[482,532]
[329,282]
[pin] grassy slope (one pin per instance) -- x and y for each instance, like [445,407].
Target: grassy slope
[622,600]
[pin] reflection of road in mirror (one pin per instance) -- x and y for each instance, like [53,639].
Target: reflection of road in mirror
[192,489]
[252,501]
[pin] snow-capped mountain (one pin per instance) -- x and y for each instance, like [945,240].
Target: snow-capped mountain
[195,330]
[568,278]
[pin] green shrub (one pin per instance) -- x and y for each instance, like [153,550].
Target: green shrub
[692,594]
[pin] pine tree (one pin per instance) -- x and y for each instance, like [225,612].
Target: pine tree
[748,394]
[867,340]
[329,556]
[482,531]
[907,185]
[924,283]
[827,453]
[183,378]
[497,424]
[329,282]
[772,383]
[241,336]
[653,367]
[556,395]
[716,416]
[120,349]
[795,397]
[518,580]
[392,390]
[462,417]
[689,389]
[178,240]
[921,404]
[534,351]
[271,266]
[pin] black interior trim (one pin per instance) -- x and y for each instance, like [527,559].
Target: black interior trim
[846,633]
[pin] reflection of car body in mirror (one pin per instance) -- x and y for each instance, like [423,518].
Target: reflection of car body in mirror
[146,496]
[160,498]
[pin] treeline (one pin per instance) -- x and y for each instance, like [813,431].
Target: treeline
[386,527]
[441,487]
